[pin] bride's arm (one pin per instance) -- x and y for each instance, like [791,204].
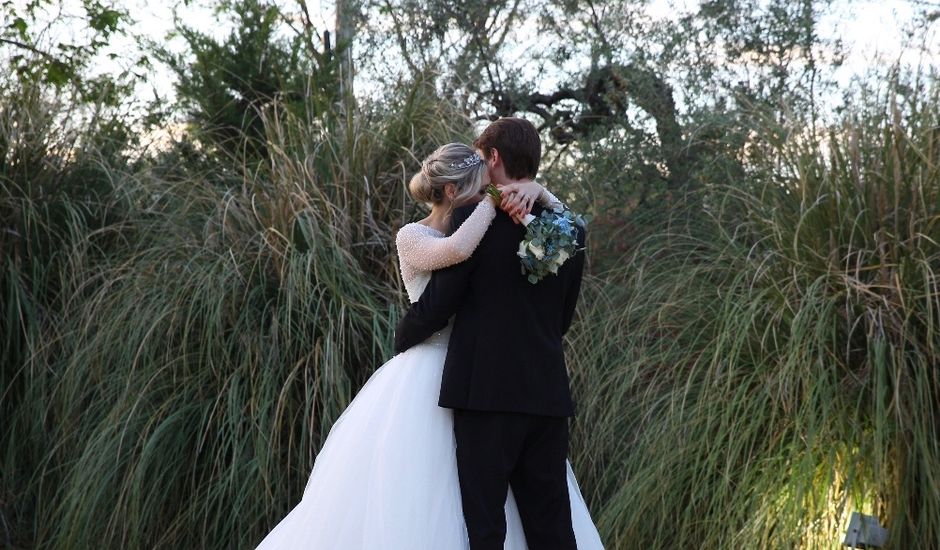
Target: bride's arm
[427,253]
[548,200]
[519,197]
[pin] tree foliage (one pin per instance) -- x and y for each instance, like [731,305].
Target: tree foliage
[683,93]
[61,63]
[226,85]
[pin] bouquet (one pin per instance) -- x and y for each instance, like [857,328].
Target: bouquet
[550,239]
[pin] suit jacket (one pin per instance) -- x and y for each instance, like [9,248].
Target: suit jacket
[505,352]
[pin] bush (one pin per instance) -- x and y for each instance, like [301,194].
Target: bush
[62,210]
[749,380]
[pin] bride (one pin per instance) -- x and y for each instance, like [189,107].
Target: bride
[386,477]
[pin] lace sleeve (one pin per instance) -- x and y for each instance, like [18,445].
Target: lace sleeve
[427,253]
[548,200]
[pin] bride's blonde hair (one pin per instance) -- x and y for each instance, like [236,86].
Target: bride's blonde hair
[454,163]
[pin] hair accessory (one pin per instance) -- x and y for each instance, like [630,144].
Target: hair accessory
[472,160]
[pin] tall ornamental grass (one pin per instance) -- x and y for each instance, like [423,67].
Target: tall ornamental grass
[62,210]
[180,332]
[754,376]
[191,375]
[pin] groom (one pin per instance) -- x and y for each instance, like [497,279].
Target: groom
[505,375]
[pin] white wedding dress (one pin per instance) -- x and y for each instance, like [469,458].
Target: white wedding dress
[386,477]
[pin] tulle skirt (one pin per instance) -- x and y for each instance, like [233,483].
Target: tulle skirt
[386,478]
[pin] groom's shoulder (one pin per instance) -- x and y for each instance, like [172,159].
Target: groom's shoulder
[465,210]
[460,215]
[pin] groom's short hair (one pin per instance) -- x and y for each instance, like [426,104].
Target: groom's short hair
[518,144]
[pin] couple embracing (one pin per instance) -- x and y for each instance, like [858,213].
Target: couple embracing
[460,441]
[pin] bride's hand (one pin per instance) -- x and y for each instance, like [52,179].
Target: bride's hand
[518,198]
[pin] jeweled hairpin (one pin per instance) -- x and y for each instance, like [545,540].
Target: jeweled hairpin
[472,160]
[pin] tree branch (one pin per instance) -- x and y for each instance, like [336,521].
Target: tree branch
[33,49]
[402,44]
[605,96]
[307,32]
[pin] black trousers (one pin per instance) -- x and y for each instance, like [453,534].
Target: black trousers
[496,451]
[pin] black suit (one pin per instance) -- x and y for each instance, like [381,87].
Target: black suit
[506,380]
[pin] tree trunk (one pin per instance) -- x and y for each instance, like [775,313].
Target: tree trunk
[347,12]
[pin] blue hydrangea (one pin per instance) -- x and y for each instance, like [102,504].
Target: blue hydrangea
[563,224]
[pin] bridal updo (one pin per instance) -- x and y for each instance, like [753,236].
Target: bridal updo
[454,163]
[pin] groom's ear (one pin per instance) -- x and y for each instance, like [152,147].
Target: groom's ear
[493,159]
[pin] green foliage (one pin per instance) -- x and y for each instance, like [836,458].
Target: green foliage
[63,65]
[226,86]
[191,374]
[62,213]
[751,379]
